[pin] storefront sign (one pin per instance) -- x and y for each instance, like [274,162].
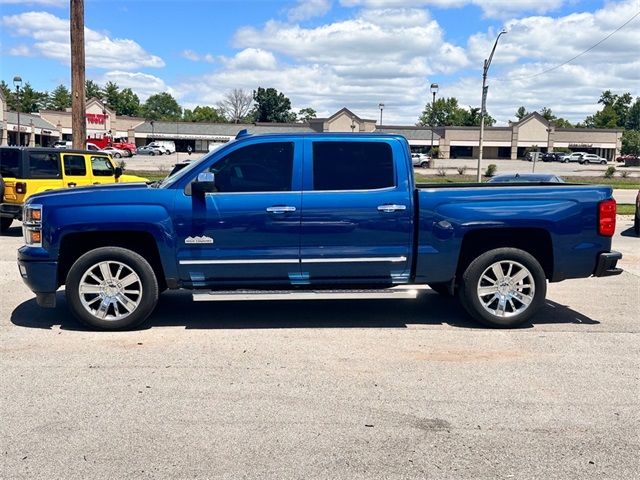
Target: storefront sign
[581,145]
[97,118]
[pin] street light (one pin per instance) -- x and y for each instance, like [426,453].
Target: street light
[434,90]
[104,115]
[483,107]
[17,82]
[153,132]
[381,107]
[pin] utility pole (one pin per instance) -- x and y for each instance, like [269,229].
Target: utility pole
[483,107]
[78,105]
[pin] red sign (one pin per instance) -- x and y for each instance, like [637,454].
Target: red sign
[97,118]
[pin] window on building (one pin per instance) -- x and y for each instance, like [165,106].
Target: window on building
[43,165]
[74,165]
[262,167]
[352,166]
[101,167]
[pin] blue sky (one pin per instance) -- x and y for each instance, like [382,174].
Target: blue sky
[326,54]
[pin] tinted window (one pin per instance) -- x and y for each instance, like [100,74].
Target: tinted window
[262,167]
[352,166]
[10,162]
[74,165]
[43,165]
[101,167]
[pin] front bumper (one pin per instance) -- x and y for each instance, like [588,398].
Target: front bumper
[607,264]
[11,210]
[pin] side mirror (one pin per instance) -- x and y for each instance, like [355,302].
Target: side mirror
[118,172]
[205,183]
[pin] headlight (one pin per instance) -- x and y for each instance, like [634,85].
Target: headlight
[32,225]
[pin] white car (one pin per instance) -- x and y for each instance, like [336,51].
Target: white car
[115,152]
[166,146]
[420,160]
[574,157]
[63,144]
[592,158]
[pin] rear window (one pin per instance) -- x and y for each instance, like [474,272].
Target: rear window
[101,167]
[74,165]
[352,166]
[43,165]
[10,162]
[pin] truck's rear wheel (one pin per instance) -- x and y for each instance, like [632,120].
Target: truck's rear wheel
[111,288]
[503,288]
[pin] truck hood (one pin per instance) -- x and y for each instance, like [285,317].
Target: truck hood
[93,190]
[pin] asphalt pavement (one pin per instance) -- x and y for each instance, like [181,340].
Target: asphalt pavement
[340,390]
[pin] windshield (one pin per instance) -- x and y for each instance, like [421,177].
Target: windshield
[172,179]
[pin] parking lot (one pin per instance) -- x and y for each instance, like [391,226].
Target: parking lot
[344,389]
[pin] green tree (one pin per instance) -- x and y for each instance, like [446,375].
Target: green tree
[59,99]
[631,142]
[447,112]
[272,106]
[521,113]
[111,95]
[633,117]
[161,106]
[203,114]
[9,96]
[306,114]
[92,90]
[128,103]
[31,100]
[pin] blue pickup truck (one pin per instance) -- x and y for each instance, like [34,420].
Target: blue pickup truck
[315,216]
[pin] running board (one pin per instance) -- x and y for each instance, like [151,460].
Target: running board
[237,295]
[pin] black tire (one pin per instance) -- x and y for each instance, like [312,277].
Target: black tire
[473,276]
[5,224]
[603,162]
[117,155]
[146,281]
[424,164]
[440,288]
[152,153]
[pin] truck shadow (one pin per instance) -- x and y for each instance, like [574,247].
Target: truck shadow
[178,309]
[14,231]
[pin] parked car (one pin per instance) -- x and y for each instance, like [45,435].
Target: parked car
[28,171]
[526,177]
[149,150]
[167,146]
[574,157]
[63,144]
[293,217]
[592,158]
[636,219]
[420,160]
[531,156]
[115,152]
[553,157]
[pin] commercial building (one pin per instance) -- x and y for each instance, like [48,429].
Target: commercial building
[510,142]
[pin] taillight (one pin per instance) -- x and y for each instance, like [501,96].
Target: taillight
[21,187]
[607,218]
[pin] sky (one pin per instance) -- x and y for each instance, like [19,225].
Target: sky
[329,54]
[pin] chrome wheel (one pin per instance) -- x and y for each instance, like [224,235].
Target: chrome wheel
[506,288]
[110,290]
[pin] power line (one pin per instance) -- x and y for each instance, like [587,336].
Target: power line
[580,54]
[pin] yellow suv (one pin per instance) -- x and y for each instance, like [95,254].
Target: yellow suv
[27,171]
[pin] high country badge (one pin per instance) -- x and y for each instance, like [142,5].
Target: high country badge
[198,240]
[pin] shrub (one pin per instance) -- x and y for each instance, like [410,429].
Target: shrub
[491,170]
[624,173]
[462,170]
[435,152]
[122,164]
[441,172]
[610,172]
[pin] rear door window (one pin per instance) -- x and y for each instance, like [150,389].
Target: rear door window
[43,165]
[74,165]
[101,167]
[352,166]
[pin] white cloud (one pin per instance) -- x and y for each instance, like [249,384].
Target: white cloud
[20,51]
[306,9]
[252,58]
[196,57]
[144,85]
[45,3]
[51,40]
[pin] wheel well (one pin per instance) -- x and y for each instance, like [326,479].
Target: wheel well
[535,241]
[76,244]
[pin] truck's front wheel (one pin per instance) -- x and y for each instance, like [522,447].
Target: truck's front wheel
[503,288]
[111,288]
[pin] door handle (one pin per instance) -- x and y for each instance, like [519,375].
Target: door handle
[390,208]
[71,184]
[279,210]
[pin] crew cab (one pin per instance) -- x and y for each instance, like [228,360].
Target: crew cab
[27,171]
[312,216]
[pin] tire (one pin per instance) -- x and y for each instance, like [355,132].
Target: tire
[440,288]
[424,164]
[152,153]
[90,272]
[5,223]
[532,288]
[603,162]
[565,161]
[117,155]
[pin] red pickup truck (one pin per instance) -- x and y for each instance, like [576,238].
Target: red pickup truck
[119,143]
